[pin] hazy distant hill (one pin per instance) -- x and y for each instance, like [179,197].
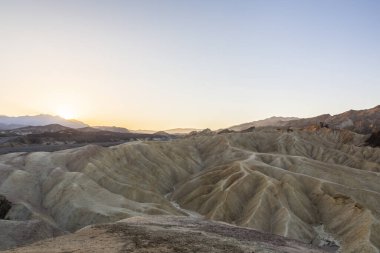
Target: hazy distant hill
[38,120]
[56,137]
[163,133]
[273,121]
[37,129]
[169,131]
[142,131]
[181,130]
[9,126]
[112,129]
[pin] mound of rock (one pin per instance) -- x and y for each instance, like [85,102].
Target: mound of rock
[168,234]
[205,132]
[18,227]
[226,131]
[248,130]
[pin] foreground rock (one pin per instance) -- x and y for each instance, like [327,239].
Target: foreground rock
[17,233]
[168,234]
[18,225]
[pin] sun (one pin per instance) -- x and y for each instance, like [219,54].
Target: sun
[66,112]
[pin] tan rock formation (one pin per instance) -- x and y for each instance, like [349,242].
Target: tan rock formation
[285,183]
[167,234]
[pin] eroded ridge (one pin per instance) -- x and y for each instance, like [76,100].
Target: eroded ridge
[285,183]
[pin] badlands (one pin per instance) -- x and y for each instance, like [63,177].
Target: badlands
[305,190]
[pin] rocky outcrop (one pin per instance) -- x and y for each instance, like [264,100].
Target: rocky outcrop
[359,121]
[205,132]
[226,131]
[17,233]
[168,234]
[19,226]
[248,130]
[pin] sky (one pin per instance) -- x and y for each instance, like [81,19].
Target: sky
[162,64]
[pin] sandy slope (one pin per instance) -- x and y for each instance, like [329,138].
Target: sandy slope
[278,182]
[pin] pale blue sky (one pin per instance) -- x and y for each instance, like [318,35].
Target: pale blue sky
[163,64]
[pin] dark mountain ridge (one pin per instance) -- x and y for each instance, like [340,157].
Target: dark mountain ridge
[360,121]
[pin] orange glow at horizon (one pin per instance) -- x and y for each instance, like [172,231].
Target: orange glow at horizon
[134,66]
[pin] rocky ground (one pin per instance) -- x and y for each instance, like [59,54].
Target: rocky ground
[166,234]
[318,186]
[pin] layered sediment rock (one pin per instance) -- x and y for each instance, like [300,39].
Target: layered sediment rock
[168,234]
[285,183]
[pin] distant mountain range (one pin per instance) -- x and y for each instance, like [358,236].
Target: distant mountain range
[112,129]
[181,130]
[56,137]
[52,128]
[359,121]
[169,131]
[7,122]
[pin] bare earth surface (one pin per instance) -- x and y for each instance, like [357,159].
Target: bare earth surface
[320,187]
[167,234]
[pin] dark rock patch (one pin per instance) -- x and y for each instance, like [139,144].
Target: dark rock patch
[248,130]
[226,131]
[374,139]
[5,206]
